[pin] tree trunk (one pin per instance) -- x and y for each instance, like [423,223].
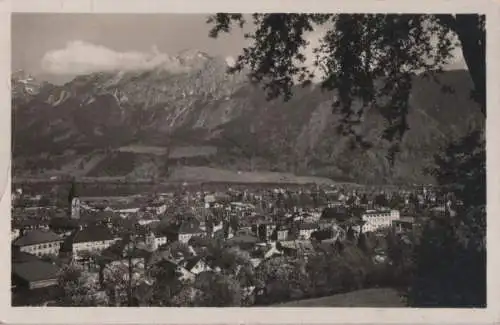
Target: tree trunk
[473,40]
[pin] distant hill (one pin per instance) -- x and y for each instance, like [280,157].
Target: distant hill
[146,124]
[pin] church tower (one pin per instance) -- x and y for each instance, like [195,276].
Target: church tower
[75,208]
[74,202]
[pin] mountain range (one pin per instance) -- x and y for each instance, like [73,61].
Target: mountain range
[188,112]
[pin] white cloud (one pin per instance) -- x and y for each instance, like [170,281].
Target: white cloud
[79,57]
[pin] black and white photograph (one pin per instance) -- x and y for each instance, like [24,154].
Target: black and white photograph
[248,160]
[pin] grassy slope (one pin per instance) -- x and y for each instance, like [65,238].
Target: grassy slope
[381,298]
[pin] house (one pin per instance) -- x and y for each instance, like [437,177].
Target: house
[91,239]
[195,265]
[306,229]
[39,243]
[153,240]
[157,208]
[404,224]
[29,224]
[165,259]
[378,219]
[282,234]
[123,253]
[159,238]
[33,281]
[297,247]
[263,228]
[34,274]
[145,221]
[338,214]
[188,230]
[244,241]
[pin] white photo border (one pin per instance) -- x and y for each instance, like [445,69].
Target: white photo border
[130,315]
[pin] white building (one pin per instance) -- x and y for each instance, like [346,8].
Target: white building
[379,219]
[91,239]
[39,243]
[195,265]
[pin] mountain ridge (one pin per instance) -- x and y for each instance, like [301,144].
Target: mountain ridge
[204,106]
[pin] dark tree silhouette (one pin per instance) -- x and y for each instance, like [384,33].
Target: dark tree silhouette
[453,248]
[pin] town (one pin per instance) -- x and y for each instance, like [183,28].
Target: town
[235,246]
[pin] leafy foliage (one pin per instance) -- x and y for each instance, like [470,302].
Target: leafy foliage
[453,249]
[78,288]
[217,290]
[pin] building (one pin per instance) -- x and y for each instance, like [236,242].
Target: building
[75,208]
[195,265]
[282,234]
[209,201]
[34,274]
[39,243]
[306,229]
[28,224]
[33,281]
[404,224]
[378,219]
[91,239]
[188,230]
[297,247]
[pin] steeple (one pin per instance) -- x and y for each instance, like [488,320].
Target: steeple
[74,202]
[72,192]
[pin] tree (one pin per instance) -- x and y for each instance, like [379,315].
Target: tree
[281,279]
[453,249]
[368,56]
[217,290]
[324,272]
[381,200]
[78,288]
[166,283]
[396,201]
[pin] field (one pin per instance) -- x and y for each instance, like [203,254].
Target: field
[380,298]
[208,174]
[139,149]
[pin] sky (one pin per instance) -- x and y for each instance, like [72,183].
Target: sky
[58,46]
[52,43]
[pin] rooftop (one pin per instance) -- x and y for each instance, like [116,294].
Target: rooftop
[22,257]
[36,237]
[35,270]
[189,228]
[92,234]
